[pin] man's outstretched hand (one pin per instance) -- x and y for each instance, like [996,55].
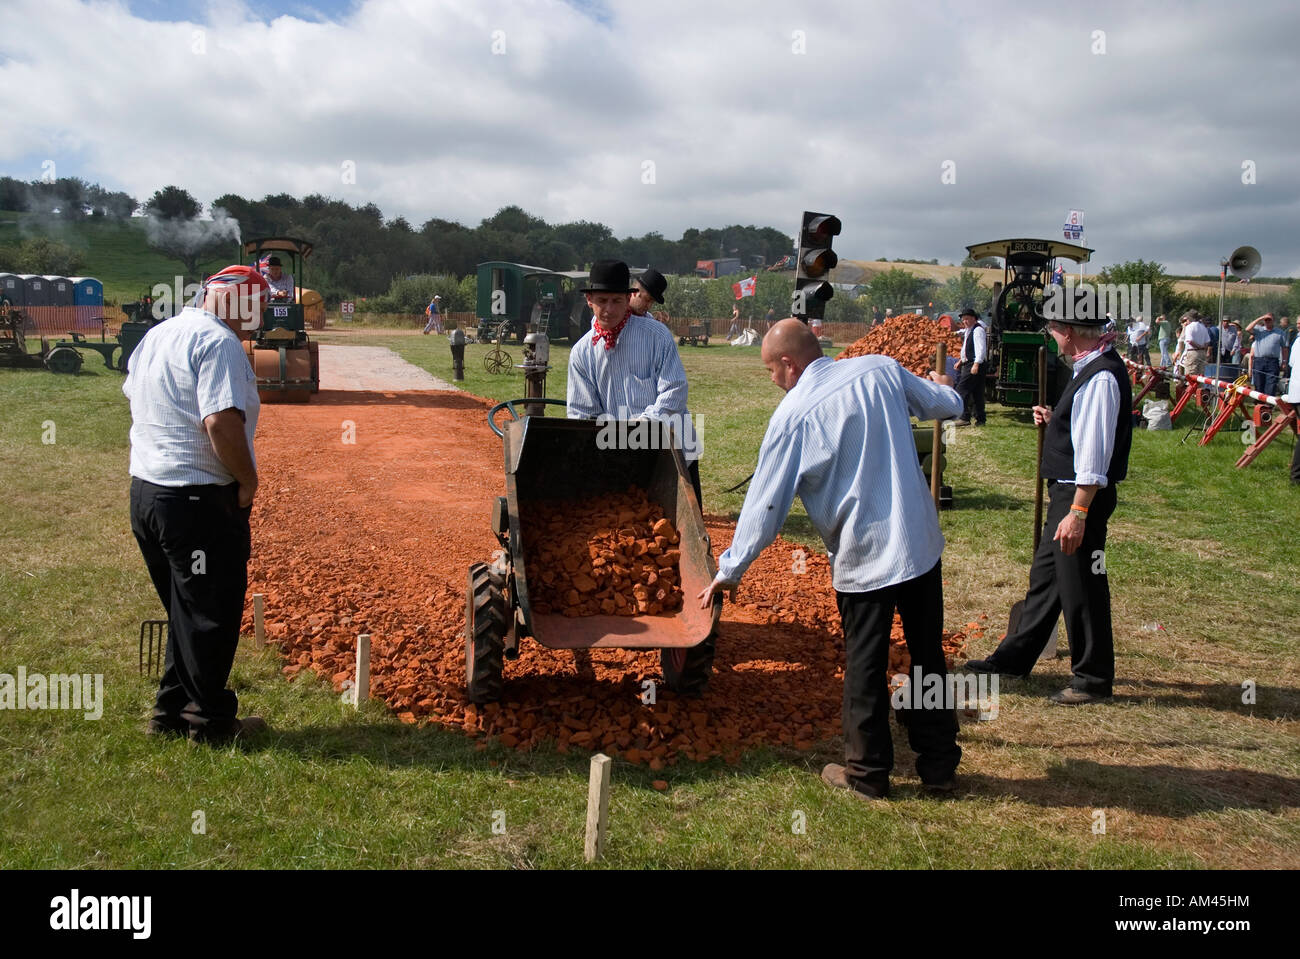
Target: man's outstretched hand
[717,586]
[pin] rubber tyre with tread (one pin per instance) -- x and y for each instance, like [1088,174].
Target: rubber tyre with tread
[687,671]
[486,620]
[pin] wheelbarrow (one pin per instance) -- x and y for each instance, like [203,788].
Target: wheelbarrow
[549,459]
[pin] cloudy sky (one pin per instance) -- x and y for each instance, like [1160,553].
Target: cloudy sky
[658,116]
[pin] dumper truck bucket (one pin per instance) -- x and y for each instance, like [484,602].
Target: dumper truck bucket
[549,459]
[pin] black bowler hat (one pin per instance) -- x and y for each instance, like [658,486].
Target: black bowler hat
[968,312]
[608,276]
[273,261]
[654,284]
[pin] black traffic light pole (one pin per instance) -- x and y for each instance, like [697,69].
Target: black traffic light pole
[812,286]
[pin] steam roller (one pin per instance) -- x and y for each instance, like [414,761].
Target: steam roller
[284,358]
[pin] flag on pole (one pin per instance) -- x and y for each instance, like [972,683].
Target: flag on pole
[746,287]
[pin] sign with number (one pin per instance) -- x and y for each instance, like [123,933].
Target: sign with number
[1073,227]
[348,307]
[279,311]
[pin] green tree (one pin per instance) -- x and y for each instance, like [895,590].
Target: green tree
[173,203]
[964,290]
[895,288]
[48,257]
[1140,273]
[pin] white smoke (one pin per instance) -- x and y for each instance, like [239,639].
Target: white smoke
[192,236]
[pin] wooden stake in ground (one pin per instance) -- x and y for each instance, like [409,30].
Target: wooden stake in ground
[362,686]
[259,621]
[940,367]
[597,806]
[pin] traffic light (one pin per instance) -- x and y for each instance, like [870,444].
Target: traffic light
[812,286]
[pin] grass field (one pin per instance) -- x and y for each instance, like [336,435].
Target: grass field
[1185,772]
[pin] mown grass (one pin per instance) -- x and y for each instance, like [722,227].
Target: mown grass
[1186,773]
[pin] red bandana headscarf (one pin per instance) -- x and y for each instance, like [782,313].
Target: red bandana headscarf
[609,336]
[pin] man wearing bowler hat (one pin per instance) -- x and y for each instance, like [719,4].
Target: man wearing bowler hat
[1085,455]
[627,365]
[970,370]
[647,288]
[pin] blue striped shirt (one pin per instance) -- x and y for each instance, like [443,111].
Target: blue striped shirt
[641,376]
[183,371]
[842,441]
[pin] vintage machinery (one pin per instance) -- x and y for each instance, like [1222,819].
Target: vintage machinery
[1018,325]
[285,359]
[697,334]
[140,320]
[13,342]
[552,458]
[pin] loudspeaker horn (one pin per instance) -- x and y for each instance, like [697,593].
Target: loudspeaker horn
[1244,262]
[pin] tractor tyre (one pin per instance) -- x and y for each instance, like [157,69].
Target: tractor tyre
[687,671]
[486,620]
[63,359]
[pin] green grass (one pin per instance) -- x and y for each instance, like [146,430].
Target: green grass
[1187,774]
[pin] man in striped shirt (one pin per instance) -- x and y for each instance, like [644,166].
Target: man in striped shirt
[194,409]
[841,440]
[628,367]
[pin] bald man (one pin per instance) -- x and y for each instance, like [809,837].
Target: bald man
[841,440]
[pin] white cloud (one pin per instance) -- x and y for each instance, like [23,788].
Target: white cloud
[1148,138]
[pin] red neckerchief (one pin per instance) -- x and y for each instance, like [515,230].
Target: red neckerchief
[609,336]
[1105,341]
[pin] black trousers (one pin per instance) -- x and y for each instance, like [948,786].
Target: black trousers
[1076,586]
[195,542]
[867,619]
[1295,463]
[970,386]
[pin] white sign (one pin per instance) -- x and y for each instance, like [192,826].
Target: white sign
[347,307]
[1073,228]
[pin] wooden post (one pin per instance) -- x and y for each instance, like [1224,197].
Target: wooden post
[597,806]
[362,686]
[259,621]
[936,447]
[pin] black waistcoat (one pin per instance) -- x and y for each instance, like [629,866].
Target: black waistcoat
[1058,450]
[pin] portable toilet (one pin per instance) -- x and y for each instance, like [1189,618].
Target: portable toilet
[61,314]
[36,290]
[13,287]
[87,302]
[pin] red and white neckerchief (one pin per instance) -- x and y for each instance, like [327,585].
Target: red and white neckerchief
[609,336]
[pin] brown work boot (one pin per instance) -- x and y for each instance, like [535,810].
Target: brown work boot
[834,775]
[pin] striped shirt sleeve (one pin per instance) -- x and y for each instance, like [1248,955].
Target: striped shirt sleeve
[771,494]
[221,370]
[1092,429]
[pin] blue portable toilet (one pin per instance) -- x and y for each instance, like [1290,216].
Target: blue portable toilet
[87,302]
[14,288]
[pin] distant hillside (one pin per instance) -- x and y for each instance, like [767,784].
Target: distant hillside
[115,252]
[861,271]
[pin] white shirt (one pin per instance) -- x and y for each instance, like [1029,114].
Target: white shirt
[1092,424]
[283,285]
[981,343]
[841,440]
[1196,336]
[641,376]
[184,370]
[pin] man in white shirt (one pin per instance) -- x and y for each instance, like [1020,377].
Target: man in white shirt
[1193,344]
[194,410]
[1085,456]
[1285,402]
[841,441]
[279,282]
[971,368]
[628,367]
